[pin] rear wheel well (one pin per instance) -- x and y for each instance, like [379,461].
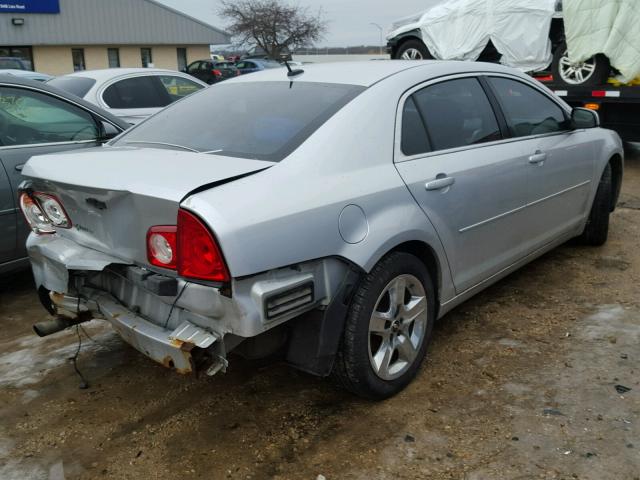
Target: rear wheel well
[616,179]
[428,257]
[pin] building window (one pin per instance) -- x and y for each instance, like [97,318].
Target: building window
[182,59]
[147,59]
[78,59]
[21,58]
[114,57]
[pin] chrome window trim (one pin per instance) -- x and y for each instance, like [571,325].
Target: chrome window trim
[153,73]
[59,97]
[35,145]
[400,157]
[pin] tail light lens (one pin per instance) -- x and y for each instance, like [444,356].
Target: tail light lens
[162,248]
[44,212]
[36,219]
[199,256]
[190,248]
[217,73]
[53,209]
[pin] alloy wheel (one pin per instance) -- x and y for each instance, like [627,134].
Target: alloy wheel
[397,327]
[412,54]
[576,73]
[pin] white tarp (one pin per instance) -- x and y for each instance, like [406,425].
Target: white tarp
[461,29]
[611,27]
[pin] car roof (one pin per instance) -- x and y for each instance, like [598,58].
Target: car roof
[367,73]
[12,80]
[109,73]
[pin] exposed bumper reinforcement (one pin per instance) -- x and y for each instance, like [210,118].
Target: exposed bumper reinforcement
[173,349]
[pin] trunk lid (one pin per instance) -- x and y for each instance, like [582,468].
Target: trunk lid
[114,195]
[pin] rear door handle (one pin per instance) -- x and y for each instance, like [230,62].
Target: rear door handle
[537,158]
[439,183]
[20,167]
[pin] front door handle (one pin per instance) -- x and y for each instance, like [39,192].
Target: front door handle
[440,182]
[537,158]
[20,167]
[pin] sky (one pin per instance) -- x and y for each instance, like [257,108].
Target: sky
[349,20]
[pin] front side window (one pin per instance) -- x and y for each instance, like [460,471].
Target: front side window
[137,92]
[29,118]
[178,87]
[147,59]
[77,54]
[528,111]
[456,113]
[257,120]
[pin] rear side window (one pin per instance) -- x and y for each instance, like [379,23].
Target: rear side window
[528,111]
[456,113]
[258,120]
[137,92]
[414,135]
[178,87]
[78,86]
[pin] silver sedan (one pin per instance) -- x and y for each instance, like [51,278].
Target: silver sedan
[131,94]
[333,213]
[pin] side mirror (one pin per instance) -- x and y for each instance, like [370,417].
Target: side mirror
[183,70]
[584,118]
[109,131]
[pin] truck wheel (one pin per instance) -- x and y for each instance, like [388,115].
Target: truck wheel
[388,328]
[413,50]
[597,229]
[593,71]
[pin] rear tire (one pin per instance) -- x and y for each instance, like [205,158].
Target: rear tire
[597,229]
[593,71]
[413,50]
[388,328]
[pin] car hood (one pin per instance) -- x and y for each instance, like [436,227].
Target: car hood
[153,172]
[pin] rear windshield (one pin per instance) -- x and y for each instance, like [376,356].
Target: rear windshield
[258,120]
[78,86]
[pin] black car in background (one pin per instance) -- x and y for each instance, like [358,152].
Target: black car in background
[210,71]
[14,63]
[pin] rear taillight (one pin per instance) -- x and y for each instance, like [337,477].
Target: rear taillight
[44,212]
[53,209]
[190,248]
[162,248]
[199,256]
[37,220]
[217,73]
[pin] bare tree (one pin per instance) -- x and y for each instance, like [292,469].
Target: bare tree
[273,25]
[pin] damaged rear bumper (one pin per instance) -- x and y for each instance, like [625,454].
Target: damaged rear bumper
[174,349]
[190,329]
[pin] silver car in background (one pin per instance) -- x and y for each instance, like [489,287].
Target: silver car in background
[131,94]
[334,213]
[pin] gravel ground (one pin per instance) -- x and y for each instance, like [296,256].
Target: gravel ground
[520,383]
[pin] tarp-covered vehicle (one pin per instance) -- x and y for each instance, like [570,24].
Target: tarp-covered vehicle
[580,45]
